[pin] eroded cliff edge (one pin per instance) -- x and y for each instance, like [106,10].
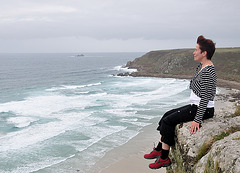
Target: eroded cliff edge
[179,63]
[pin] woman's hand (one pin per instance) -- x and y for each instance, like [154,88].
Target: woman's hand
[194,127]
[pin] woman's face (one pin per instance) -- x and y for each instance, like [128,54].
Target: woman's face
[198,55]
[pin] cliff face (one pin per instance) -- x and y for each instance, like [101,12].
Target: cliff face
[165,62]
[215,148]
[180,63]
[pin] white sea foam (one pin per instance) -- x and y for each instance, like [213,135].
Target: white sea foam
[81,92]
[46,105]
[53,106]
[135,122]
[36,166]
[91,113]
[21,121]
[72,87]
[32,135]
[125,69]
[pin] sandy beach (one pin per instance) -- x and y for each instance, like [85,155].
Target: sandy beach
[128,158]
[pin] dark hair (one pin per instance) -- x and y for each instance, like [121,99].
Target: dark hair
[206,45]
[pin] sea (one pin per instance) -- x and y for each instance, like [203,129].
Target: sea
[62,113]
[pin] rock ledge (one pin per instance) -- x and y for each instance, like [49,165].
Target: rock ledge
[216,137]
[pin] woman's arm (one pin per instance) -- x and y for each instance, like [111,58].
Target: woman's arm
[206,92]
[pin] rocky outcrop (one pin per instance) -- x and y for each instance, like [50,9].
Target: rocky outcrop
[164,62]
[224,156]
[215,148]
[179,63]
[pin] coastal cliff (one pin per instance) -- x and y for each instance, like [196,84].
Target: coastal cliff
[179,63]
[215,148]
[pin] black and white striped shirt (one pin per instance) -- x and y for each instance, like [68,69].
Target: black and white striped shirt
[203,84]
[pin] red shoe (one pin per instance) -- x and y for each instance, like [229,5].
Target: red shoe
[154,154]
[160,163]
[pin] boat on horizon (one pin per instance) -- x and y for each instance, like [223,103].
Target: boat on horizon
[78,55]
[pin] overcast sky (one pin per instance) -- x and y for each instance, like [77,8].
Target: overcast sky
[116,25]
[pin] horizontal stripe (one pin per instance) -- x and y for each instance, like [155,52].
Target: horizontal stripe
[203,84]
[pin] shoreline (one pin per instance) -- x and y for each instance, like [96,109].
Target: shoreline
[220,82]
[129,158]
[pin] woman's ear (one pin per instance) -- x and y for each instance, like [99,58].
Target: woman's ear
[204,53]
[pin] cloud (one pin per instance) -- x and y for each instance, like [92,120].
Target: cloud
[125,20]
[33,13]
[34,10]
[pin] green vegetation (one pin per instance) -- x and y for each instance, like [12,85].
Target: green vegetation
[177,158]
[207,145]
[237,111]
[236,138]
[204,149]
[181,62]
[210,167]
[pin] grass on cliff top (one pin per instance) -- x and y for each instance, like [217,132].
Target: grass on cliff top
[207,145]
[210,167]
[237,111]
[228,49]
[181,62]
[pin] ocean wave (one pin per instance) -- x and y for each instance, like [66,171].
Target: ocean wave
[37,166]
[124,69]
[72,87]
[101,116]
[21,122]
[135,122]
[40,132]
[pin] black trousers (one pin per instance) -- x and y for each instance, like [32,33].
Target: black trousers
[173,117]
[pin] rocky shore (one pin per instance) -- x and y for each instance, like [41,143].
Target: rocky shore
[179,63]
[216,147]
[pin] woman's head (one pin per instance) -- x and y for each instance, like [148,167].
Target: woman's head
[206,45]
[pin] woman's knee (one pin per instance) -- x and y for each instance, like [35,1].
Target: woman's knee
[166,129]
[168,140]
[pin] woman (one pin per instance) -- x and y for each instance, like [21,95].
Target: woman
[203,90]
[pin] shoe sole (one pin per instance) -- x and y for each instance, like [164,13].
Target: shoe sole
[151,157]
[165,165]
